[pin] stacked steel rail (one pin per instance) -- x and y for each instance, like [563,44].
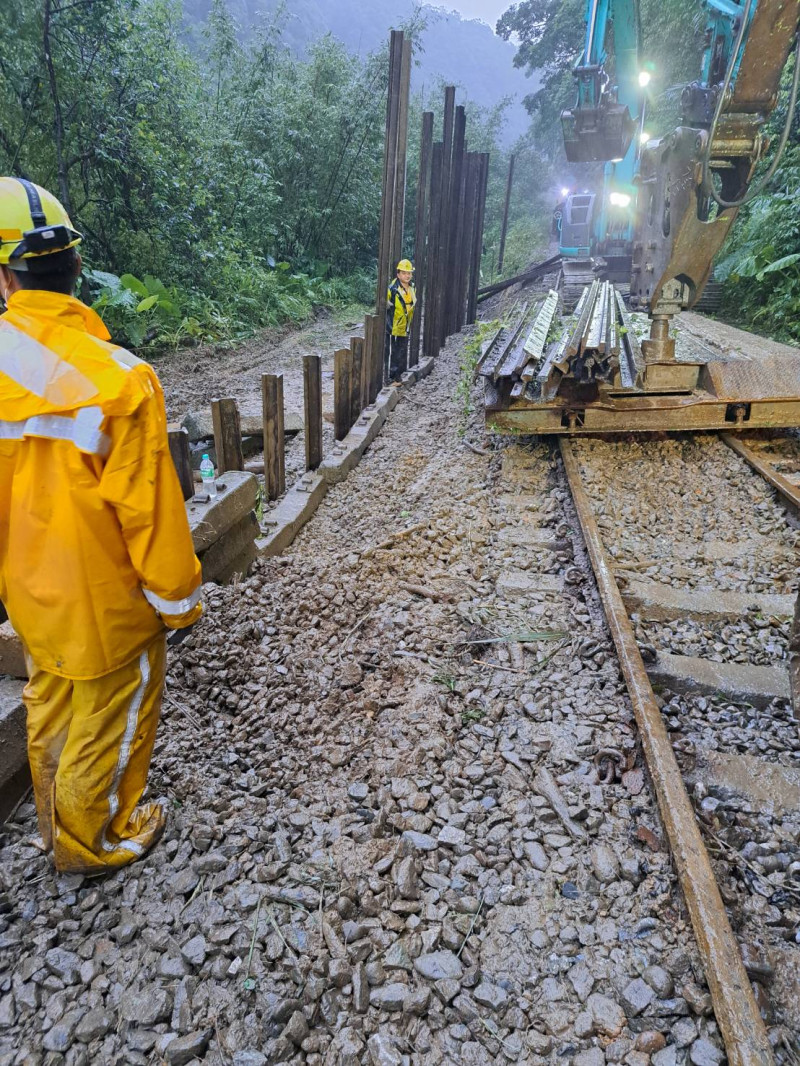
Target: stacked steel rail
[596,344]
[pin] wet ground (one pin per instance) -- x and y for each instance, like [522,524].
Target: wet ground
[409,821]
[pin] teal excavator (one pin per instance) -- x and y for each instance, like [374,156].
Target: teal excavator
[665,209]
[606,126]
[666,205]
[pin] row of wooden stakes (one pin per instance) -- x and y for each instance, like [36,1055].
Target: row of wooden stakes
[358,376]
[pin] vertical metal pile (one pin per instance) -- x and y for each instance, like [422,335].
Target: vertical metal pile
[450,212]
[451,202]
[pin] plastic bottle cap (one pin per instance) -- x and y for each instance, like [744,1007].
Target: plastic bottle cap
[205,456]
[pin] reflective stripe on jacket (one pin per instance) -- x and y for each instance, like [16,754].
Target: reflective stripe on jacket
[399,309]
[96,555]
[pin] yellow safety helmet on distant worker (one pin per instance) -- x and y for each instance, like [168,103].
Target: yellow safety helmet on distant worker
[406,264]
[33,223]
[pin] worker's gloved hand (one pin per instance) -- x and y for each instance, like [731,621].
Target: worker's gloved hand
[178,636]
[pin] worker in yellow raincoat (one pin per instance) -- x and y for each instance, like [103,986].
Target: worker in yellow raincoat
[96,556]
[400,302]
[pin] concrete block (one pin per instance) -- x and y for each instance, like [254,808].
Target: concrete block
[531,537]
[14,773]
[346,454]
[238,567]
[12,656]
[771,788]
[250,446]
[223,558]
[209,521]
[200,427]
[662,602]
[740,681]
[291,514]
[422,369]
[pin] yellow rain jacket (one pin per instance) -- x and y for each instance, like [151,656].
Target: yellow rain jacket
[400,304]
[96,556]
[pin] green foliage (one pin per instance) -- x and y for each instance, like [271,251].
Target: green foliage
[470,354]
[147,314]
[200,166]
[471,715]
[761,265]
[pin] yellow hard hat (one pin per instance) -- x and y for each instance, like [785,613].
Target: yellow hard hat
[32,223]
[406,264]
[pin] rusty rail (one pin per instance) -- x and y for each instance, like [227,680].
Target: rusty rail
[743,1031]
[772,476]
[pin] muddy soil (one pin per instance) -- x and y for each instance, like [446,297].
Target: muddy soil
[193,377]
[408,818]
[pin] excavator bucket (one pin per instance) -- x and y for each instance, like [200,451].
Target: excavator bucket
[597,134]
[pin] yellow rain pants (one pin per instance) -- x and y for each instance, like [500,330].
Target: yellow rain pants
[89,746]
[96,563]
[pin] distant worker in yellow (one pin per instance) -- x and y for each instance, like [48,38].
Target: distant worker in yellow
[96,556]
[400,303]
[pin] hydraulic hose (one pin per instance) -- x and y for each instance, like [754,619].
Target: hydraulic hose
[751,193]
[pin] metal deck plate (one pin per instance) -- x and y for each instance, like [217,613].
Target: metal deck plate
[732,394]
[773,377]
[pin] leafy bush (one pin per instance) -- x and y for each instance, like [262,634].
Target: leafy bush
[761,264]
[147,314]
[192,157]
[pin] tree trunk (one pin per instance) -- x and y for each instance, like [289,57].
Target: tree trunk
[58,120]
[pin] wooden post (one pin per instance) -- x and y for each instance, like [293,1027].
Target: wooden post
[432,278]
[468,225]
[448,125]
[366,362]
[274,442]
[312,409]
[504,230]
[379,352]
[356,395]
[420,234]
[227,434]
[178,437]
[342,392]
[399,208]
[456,206]
[389,165]
[477,238]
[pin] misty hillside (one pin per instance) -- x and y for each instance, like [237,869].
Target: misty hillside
[486,76]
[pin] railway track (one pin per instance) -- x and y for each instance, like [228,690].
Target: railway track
[642,607]
[739,1006]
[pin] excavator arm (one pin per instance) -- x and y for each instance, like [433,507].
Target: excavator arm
[692,182]
[603,123]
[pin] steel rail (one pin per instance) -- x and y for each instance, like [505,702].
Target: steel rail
[772,476]
[737,1014]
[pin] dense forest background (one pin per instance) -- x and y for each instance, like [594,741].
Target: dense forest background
[223,157]
[451,50]
[226,175]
